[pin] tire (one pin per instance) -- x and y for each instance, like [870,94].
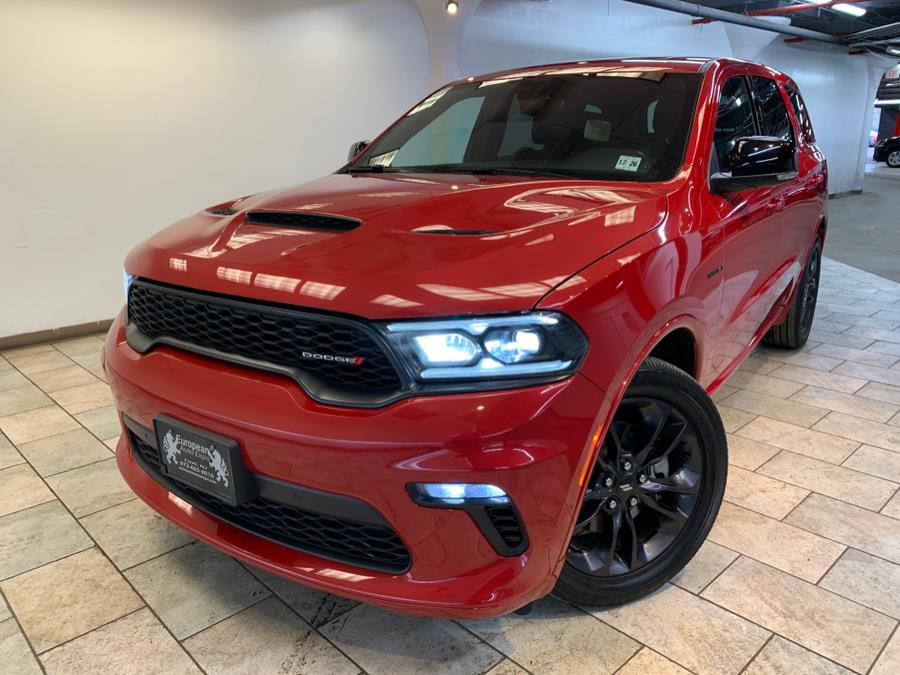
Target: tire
[893,159]
[794,331]
[664,414]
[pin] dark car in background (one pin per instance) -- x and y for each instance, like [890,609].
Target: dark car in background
[888,151]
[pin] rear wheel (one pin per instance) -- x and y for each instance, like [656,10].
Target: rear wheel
[794,331]
[893,159]
[653,493]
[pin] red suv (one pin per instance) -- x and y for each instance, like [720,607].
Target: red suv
[473,366]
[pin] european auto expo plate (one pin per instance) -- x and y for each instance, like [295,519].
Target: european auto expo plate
[202,460]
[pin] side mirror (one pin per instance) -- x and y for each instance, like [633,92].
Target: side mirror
[757,161]
[356,148]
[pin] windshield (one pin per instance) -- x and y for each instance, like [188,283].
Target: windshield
[613,125]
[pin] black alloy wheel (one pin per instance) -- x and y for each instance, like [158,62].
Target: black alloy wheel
[653,493]
[794,331]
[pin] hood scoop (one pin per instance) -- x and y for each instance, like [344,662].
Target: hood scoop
[305,221]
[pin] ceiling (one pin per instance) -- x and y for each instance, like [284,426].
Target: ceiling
[880,15]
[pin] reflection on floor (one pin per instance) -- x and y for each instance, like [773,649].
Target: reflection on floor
[801,572]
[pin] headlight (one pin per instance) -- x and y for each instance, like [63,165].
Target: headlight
[541,345]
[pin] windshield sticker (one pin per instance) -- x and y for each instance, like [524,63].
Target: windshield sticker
[628,163]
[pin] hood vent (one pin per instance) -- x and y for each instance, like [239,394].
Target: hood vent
[306,221]
[221,212]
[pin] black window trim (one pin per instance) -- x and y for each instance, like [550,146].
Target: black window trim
[753,107]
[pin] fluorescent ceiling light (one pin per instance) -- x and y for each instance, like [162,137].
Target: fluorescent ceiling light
[893,51]
[821,2]
[852,10]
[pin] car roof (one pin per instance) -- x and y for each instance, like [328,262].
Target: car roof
[678,64]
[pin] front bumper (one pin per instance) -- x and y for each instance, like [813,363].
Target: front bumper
[531,442]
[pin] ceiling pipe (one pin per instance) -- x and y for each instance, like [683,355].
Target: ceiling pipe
[790,9]
[871,32]
[693,9]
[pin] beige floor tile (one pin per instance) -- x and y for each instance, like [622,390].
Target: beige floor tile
[89,361]
[102,422]
[815,618]
[79,346]
[818,378]
[889,661]
[194,587]
[648,662]
[765,495]
[20,399]
[802,359]
[9,456]
[827,479]
[756,363]
[507,667]
[15,654]
[4,611]
[34,424]
[21,488]
[763,384]
[724,391]
[92,487]
[797,439]
[551,639]
[70,450]
[132,533]
[136,644]
[864,431]
[892,508]
[37,536]
[837,339]
[865,579]
[846,353]
[749,454]
[733,419]
[854,404]
[27,350]
[111,443]
[315,607]
[881,392]
[689,630]
[63,378]
[266,638]
[28,364]
[83,398]
[871,532]
[775,543]
[871,373]
[705,566]
[385,642]
[11,379]
[775,408]
[69,597]
[782,657]
[886,348]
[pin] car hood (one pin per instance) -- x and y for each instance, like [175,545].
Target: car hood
[411,254]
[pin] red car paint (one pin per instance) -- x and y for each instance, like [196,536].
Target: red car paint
[628,262]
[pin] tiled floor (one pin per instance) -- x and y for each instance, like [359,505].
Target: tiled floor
[800,574]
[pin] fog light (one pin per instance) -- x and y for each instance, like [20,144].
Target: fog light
[456,494]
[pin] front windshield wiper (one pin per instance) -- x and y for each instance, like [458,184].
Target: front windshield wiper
[366,168]
[486,170]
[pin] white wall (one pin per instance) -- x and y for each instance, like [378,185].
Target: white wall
[118,117]
[838,88]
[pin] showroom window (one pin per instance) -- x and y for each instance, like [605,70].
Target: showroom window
[773,114]
[734,121]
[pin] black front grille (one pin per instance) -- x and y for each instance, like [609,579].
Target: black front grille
[358,544]
[307,221]
[280,338]
[506,521]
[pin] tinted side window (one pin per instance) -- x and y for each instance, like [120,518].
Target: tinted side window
[774,120]
[801,112]
[734,121]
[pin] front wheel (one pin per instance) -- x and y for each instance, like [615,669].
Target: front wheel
[653,493]
[893,160]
